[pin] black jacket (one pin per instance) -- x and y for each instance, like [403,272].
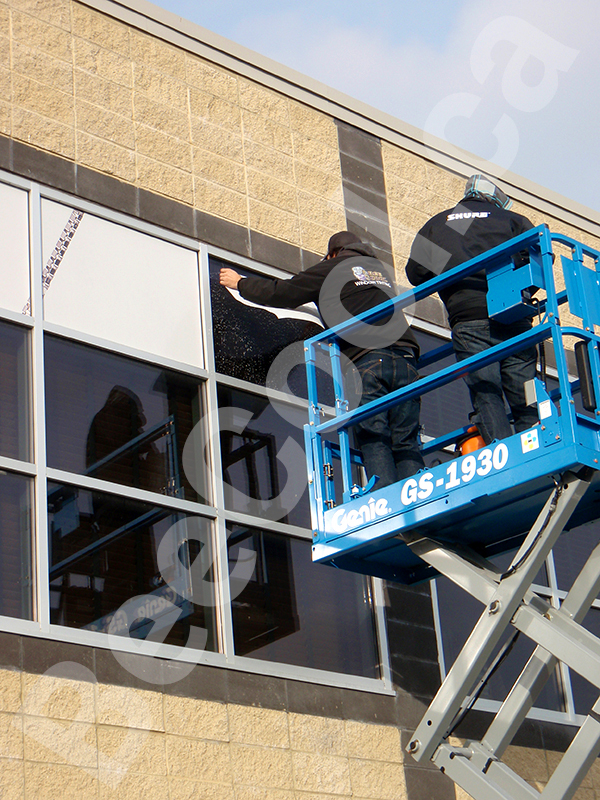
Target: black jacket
[455,236]
[361,288]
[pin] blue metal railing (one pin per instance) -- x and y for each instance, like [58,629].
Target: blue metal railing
[506,284]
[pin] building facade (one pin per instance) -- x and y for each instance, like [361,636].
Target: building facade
[151,477]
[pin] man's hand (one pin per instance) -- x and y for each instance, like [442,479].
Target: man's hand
[229,278]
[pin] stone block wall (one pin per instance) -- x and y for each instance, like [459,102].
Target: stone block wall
[112,98]
[119,101]
[61,738]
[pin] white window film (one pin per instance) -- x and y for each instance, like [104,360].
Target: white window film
[14,246]
[122,285]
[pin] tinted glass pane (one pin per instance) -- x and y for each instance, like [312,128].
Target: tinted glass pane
[16,569]
[459,612]
[264,466]
[118,419]
[249,337]
[119,284]
[104,551]
[584,694]
[15,439]
[297,612]
[572,551]
[446,409]
[14,246]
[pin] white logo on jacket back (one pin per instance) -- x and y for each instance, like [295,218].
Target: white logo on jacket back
[369,278]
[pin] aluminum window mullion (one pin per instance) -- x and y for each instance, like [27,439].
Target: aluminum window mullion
[239,518]
[378,600]
[221,564]
[437,626]
[556,598]
[110,215]
[247,263]
[124,350]
[130,492]
[41,548]
[15,465]
[16,316]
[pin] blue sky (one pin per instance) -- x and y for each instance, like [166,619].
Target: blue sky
[515,82]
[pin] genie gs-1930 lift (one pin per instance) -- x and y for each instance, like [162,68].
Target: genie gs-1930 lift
[518,494]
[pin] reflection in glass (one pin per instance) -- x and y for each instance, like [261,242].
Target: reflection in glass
[121,285]
[119,420]
[584,694]
[572,550]
[14,246]
[459,613]
[104,551]
[295,612]
[249,337]
[253,470]
[446,409]
[16,568]
[15,423]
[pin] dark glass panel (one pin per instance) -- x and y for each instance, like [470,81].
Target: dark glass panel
[16,568]
[248,338]
[15,421]
[117,419]
[104,550]
[296,612]
[459,613]
[572,551]
[584,693]
[251,469]
[448,408]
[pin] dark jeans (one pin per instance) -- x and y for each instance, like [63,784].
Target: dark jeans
[389,440]
[488,386]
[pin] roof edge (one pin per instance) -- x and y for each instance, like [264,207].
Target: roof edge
[192,37]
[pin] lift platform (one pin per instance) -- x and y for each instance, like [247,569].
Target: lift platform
[518,494]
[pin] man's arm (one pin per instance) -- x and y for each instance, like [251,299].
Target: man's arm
[288,293]
[422,264]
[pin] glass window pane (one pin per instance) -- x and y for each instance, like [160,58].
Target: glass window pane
[109,281]
[247,337]
[15,417]
[584,694]
[118,419]
[296,612]
[16,568]
[104,551]
[264,466]
[572,551]
[446,409]
[14,245]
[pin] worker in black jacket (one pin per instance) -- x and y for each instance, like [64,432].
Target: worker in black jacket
[348,281]
[480,221]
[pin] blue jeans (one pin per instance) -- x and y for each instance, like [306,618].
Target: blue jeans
[389,440]
[488,386]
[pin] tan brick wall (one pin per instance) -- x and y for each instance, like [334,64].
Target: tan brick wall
[417,189]
[91,89]
[64,739]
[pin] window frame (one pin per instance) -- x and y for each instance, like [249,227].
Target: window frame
[37,470]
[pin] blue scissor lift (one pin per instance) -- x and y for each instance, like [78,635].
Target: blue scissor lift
[518,494]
